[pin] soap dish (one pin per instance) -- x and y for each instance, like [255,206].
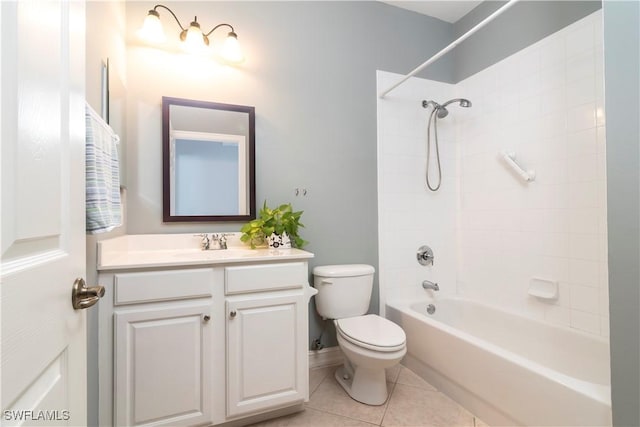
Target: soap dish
[543,288]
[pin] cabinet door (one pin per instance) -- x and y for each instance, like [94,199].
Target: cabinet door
[266,352]
[163,365]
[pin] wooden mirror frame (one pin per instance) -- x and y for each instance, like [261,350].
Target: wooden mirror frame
[166,161]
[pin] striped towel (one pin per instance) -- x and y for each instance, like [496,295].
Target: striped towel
[102,175]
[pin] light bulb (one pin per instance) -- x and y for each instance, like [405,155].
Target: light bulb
[231,49]
[194,41]
[151,30]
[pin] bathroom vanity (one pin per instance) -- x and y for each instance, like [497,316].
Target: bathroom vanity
[189,337]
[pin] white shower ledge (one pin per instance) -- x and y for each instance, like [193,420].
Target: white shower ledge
[166,250]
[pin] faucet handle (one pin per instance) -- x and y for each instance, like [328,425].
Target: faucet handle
[204,243]
[425,255]
[223,241]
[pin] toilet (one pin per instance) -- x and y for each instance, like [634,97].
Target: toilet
[370,343]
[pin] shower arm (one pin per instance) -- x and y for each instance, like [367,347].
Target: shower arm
[425,104]
[452,101]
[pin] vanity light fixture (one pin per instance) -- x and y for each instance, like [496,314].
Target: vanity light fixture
[193,39]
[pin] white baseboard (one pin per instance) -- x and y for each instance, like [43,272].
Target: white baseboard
[326,357]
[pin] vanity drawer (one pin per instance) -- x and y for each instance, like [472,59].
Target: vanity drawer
[162,285]
[265,277]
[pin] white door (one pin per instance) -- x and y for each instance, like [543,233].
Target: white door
[266,370]
[43,353]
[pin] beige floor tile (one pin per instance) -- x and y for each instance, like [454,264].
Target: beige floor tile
[330,397]
[413,406]
[317,375]
[480,423]
[312,418]
[407,377]
[392,373]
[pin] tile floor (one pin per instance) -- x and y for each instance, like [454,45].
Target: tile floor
[412,402]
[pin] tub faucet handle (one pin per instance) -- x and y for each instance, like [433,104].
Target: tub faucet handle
[430,285]
[425,255]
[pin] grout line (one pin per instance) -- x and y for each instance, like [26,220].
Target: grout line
[342,416]
[386,405]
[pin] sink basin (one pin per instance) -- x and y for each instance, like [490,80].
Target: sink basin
[215,254]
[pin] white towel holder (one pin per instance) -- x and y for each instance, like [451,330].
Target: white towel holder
[510,159]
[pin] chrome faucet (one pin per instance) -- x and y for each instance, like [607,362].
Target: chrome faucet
[223,241]
[430,285]
[205,243]
[215,242]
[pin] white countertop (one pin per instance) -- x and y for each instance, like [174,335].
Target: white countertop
[171,250]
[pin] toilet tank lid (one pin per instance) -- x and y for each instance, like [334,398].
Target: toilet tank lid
[343,270]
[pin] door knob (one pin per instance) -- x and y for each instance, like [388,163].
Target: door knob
[232,314]
[83,296]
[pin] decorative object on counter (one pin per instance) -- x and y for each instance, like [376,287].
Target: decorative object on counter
[193,39]
[277,241]
[282,222]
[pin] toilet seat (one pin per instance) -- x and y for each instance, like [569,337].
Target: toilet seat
[372,332]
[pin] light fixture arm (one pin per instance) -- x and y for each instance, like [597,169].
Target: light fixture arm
[218,26]
[171,12]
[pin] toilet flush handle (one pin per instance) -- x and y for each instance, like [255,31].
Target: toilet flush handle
[326,282]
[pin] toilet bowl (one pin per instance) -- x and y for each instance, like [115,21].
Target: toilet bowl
[370,343]
[363,376]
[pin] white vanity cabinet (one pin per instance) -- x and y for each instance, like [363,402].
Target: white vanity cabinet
[155,333]
[267,361]
[208,342]
[162,365]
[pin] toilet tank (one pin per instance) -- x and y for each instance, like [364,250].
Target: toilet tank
[343,290]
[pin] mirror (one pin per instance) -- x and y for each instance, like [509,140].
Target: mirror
[208,154]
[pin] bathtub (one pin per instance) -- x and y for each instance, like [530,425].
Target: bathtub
[505,368]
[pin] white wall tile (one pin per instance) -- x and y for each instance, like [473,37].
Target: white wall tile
[492,231]
[580,39]
[557,315]
[582,143]
[583,272]
[581,117]
[586,322]
[584,298]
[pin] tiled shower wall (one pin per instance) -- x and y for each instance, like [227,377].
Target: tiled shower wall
[409,215]
[544,103]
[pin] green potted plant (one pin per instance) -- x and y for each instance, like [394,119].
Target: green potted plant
[278,226]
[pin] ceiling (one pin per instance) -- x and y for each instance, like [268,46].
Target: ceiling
[446,10]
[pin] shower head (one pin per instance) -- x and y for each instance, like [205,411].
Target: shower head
[463,102]
[441,110]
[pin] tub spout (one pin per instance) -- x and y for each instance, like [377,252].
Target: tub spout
[430,285]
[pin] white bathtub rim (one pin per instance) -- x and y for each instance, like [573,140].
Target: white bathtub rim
[404,303]
[598,392]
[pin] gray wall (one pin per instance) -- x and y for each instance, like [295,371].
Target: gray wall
[622,88]
[310,73]
[105,39]
[522,25]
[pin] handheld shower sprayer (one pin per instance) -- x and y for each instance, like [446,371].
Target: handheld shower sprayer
[438,112]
